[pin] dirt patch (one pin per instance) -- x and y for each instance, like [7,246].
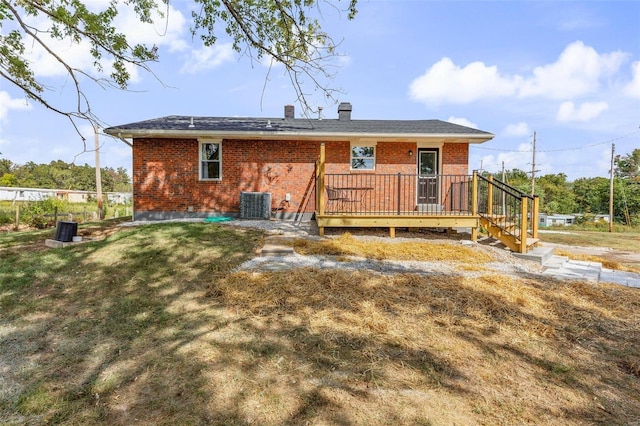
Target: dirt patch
[624,257]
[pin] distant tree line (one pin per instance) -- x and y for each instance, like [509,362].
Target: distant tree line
[587,195]
[61,175]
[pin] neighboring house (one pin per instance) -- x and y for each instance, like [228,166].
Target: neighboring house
[9,193]
[601,218]
[556,219]
[343,172]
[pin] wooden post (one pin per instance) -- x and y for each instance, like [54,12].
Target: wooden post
[523,225]
[321,197]
[55,216]
[490,196]
[17,224]
[474,193]
[613,150]
[320,187]
[474,204]
[98,174]
[534,217]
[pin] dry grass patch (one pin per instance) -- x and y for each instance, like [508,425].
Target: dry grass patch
[501,350]
[347,245]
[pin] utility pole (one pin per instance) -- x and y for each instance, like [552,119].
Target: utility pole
[504,194]
[98,173]
[613,148]
[533,167]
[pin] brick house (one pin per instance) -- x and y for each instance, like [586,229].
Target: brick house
[199,166]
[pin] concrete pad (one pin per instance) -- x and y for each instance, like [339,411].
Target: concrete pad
[277,246]
[556,262]
[561,268]
[629,279]
[538,254]
[60,244]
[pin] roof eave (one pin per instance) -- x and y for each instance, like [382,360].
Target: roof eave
[274,135]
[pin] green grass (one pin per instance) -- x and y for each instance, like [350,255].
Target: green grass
[153,325]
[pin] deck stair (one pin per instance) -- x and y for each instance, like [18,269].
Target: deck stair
[504,231]
[508,214]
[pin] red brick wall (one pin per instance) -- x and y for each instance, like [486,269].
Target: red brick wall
[166,174]
[165,177]
[455,159]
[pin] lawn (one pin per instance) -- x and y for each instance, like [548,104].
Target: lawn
[624,254]
[153,325]
[628,241]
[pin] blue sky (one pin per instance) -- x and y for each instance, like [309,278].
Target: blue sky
[569,70]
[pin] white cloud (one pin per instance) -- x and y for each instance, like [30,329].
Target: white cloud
[633,88]
[462,122]
[517,129]
[578,71]
[585,112]
[207,58]
[446,82]
[165,31]
[8,103]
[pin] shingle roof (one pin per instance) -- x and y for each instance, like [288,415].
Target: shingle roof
[186,125]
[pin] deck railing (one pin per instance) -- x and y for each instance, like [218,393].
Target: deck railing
[396,194]
[508,208]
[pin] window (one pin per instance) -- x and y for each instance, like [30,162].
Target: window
[363,157]
[210,160]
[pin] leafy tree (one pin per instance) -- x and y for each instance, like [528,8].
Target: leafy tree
[556,192]
[61,175]
[6,166]
[283,30]
[516,178]
[628,166]
[8,179]
[592,195]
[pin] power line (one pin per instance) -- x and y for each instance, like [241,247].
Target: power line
[560,149]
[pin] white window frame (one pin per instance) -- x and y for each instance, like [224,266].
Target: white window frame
[368,144]
[201,160]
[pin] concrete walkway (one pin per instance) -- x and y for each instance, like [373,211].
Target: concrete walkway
[561,267]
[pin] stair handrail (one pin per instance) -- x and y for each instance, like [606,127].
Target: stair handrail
[511,190]
[527,216]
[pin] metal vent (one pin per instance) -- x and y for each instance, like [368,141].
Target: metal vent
[255,205]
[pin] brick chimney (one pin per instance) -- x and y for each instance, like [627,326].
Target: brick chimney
[289,111]
[344,111]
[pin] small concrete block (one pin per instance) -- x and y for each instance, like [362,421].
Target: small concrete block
[556,262]
[277,246]
[276,250]
[54,243]
[60,244]
[538,254]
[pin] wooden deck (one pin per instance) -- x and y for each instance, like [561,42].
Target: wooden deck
[394,221]
[357,200]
